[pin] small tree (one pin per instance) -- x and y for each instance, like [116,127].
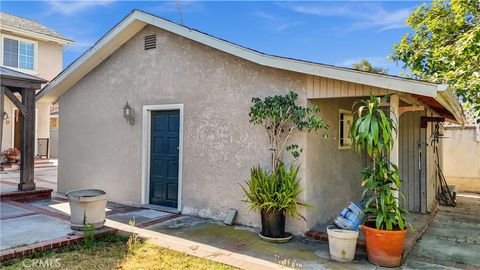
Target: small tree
[365,65]
[282,117]
[373,132]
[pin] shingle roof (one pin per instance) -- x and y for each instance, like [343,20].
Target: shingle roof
[10,73]
[28,25]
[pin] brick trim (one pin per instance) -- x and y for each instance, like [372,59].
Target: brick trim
[39,210]
[12,253]
[37,194]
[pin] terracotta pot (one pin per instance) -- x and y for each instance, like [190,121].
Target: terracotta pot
[384,247]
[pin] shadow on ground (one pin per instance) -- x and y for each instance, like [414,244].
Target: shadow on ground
[301,252]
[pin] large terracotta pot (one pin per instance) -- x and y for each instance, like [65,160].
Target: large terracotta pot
[384,247]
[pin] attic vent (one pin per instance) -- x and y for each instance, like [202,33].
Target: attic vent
[150,42]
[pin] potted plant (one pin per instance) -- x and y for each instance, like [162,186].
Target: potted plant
[385,226]
[274,192]
[12,154]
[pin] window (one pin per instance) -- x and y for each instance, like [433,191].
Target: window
[53,122]
[345,122]
[18,54]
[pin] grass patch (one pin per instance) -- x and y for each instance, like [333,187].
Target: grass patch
[112,251]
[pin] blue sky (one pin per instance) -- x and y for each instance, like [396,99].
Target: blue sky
[331,32]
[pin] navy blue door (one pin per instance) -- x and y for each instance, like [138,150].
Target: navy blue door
[165,128]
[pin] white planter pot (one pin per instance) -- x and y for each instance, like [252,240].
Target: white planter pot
[87,206]
[342,244]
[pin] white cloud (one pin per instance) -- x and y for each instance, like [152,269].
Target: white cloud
[364,15]
[72,7]
[276,23]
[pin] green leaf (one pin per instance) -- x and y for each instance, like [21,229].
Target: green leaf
[379,221]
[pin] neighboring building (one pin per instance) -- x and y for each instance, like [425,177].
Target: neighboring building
[191,143]
[461,154]
[34,49]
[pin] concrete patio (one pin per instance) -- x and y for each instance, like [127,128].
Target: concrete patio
[44,178]
[45,224]
[451,242]
[453,238]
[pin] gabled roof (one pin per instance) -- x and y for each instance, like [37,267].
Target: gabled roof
[30,28]
[136,20]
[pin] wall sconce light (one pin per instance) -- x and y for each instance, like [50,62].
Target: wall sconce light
[128,113]
[6,118]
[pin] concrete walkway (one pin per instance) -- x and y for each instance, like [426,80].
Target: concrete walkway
[453,239]
[452,242]
[31,226]
[44,177]
[240,246]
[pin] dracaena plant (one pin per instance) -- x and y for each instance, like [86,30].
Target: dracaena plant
[373,133]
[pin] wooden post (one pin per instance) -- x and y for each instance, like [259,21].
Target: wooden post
[27,141]
[394,115]
[2,94]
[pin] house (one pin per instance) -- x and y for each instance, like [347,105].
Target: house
[188,143]
[34,49]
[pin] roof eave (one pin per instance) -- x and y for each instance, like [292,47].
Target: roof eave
[40,36]
[91,58]
[87,61]
[449,101]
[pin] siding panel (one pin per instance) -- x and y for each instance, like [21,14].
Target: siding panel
[320,87]
[412,144]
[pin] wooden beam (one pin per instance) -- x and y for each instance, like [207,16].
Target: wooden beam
[2,91]
[395,116]
[27,141]
[412,108]
[407,98]
[21,84]
[425,119]
[21,107]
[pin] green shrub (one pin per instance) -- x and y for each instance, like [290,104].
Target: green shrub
[274,191]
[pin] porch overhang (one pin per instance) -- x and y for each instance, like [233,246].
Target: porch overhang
[20,88]
[438,97]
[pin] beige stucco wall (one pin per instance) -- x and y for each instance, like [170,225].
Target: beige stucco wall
[7,140]
[49,64]
[461,158]
[98,149]
[50,57]
[43,121]
[333,175]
